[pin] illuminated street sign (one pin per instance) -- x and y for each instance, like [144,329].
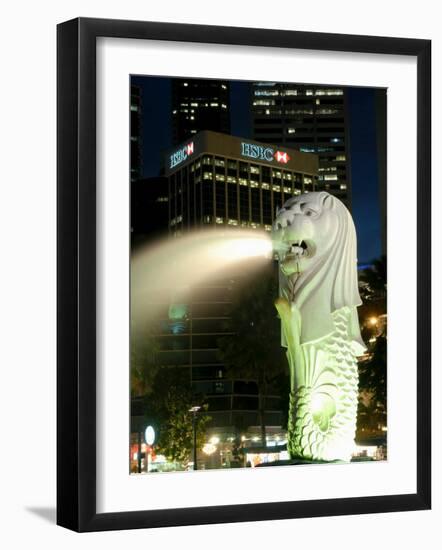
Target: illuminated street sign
[181,155]
[149,435]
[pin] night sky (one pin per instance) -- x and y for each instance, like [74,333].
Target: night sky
[157,137]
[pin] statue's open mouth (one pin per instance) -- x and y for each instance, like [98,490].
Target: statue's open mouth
[299,249]
[295,254]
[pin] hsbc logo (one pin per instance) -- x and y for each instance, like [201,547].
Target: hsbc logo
[181,155]
[259,152]
[282,156]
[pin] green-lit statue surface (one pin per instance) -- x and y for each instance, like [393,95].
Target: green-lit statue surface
[315,240]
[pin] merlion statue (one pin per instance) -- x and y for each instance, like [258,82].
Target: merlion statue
[315,240]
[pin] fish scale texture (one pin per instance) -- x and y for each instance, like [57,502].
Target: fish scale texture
[322,411]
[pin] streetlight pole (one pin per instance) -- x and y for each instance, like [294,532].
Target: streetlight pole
[194,410]
[139,451]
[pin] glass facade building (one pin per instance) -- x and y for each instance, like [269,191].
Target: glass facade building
[136,164]
[199,104]
[308,118]
[217,179]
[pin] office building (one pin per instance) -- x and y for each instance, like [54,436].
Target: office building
[149,211]
[136,164]
[308,118]
[218,179]
[199,105]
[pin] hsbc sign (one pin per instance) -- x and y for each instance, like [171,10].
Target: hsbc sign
[260,152]
[181,155]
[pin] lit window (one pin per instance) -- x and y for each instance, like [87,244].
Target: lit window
[194,104]
[267,93]
[291,130]
[214,104]
[232,222]
[277,188]
[185,84]
[330,177]
[219,220]
[343,186]
[340,157]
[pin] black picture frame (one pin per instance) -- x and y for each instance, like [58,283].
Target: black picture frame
[76,273]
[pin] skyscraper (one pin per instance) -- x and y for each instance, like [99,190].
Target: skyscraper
[136,163]
[199,105]
[309,118]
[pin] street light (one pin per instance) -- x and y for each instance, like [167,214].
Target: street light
[194,410]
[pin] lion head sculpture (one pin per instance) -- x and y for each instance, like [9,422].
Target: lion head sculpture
[315,240]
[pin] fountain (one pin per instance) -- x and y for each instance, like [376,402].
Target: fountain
[315,240]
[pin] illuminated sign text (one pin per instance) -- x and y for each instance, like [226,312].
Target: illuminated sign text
[181,155]
[261,152]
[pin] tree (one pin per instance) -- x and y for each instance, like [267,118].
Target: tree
[254,351]
[168,405]
[373,373]
[374,280]
[142,363]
